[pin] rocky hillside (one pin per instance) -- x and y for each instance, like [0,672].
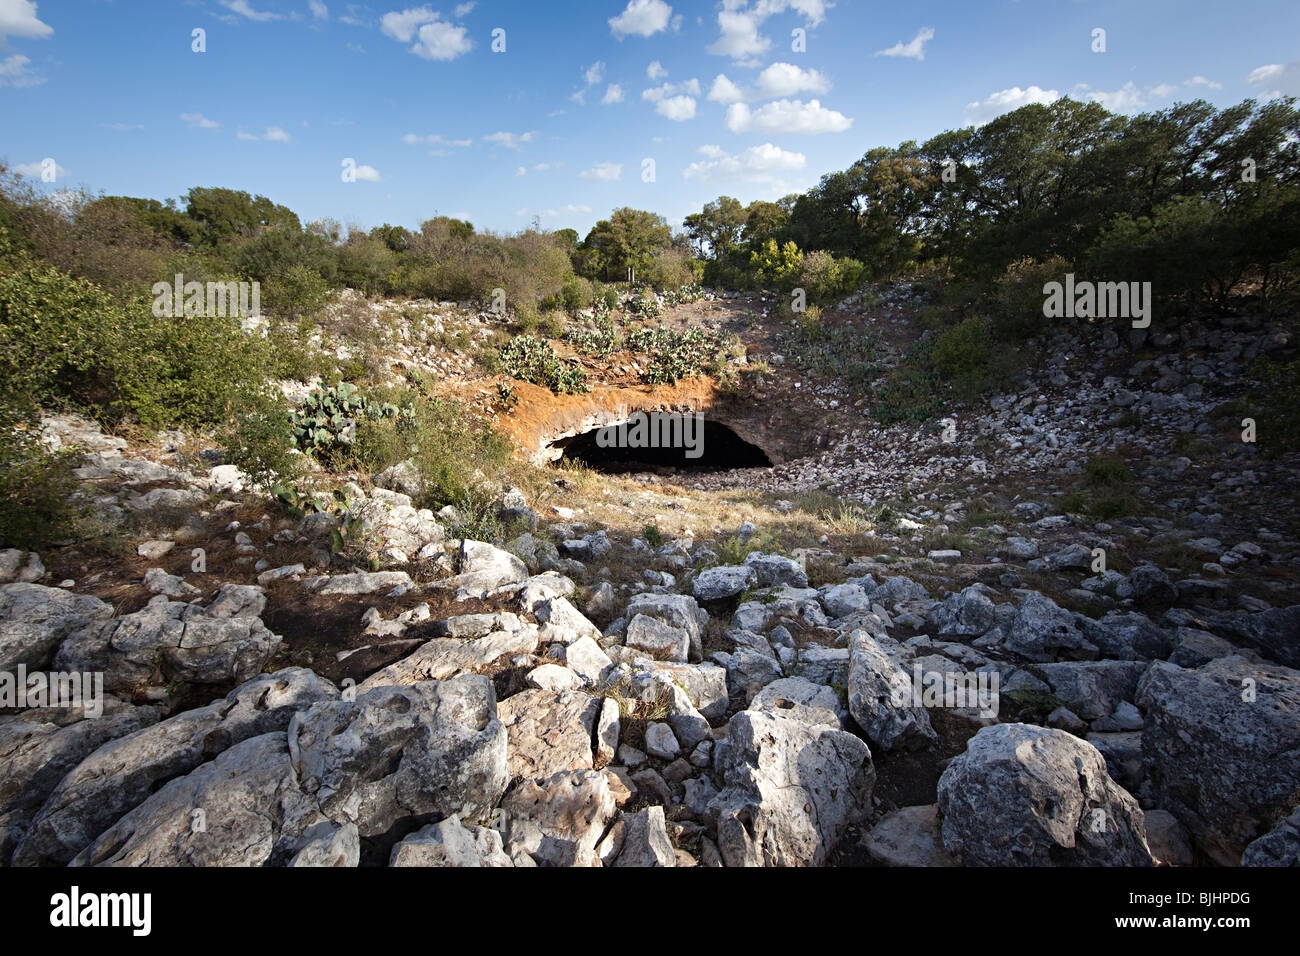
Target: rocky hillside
[1058,627]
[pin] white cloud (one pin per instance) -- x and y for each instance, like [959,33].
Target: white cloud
[35,169]
[739,25]
[247,136]
[121,127]
[510,140]
[740,38]
[786,116]
[613,94]
[435,39]
[654,94]
[367,174]
[402,26]
[521,171]
[603,173]
[786,79]
[641,18]
[318,10]
[199,120]
[277,135]
[674,100]
[243,8]
[14,72]
[413,138]
[913,48]
[1279,79]
[1128,98]
[655,71]
[724,91]
[441,41]
[591,75]
[1202,81]
[761,164]
[677,108]
[1004,101]
[464,9]
[1264,74]
[18,19]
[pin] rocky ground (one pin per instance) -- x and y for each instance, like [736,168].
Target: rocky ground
[748,690]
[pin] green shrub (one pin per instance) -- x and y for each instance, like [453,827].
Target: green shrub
[1106,471]
[36,486]
[297,292]
[777,265]
[531,360]
[65,341]
[825,277]
[962,356]
[1018,296]
[329,418]
[577,293]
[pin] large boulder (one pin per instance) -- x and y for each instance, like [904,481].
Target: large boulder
[168,641]
[1043,631]
[794,781]
[445,657]
[121,774]
[237,810]
[967,613]
[776,569]
[558,821]
[1222,743]
[1093,689]
[657,639]
[35,620]
[549,731]
[38,748]
[881,698]
[723,583]
[1022,795]
[1275,633]
[677,610]
[431,748]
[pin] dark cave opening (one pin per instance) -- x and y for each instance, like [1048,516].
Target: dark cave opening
[662,442]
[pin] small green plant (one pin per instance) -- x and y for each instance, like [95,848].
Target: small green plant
[1107,471]
[653,535]
[329,417]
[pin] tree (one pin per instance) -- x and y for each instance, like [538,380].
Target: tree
[228,214]
[716,230]
[763,221]
[629,238]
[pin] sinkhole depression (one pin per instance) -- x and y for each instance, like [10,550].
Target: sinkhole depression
[658,441]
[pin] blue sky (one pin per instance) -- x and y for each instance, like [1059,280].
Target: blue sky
[561,123]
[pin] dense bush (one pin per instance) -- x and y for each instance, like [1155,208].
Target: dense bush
[824,278]
[36,485]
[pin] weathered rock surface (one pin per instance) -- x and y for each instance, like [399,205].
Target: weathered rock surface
[35,620]
[793,782]
[435,747]
[880,698]
[119,775]
[1022,795]
[1222,743]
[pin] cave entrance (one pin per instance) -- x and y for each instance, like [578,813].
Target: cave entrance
[662,441]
